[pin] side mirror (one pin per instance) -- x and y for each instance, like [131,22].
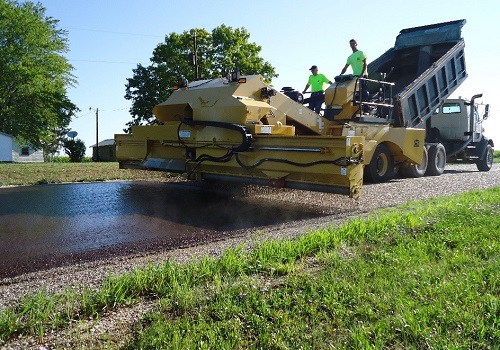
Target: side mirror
[486,112]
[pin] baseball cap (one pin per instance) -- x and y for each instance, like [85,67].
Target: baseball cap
[313,68]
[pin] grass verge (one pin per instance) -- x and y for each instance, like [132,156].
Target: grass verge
[496,157]
[60,172]
[424,275]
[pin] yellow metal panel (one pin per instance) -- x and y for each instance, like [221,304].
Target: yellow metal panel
[286,130]
[325,162]
[404,143]
[340,92]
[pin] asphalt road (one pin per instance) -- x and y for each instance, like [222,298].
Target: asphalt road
[52,225]
[47,225]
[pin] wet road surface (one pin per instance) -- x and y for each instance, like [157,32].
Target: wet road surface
[51,225]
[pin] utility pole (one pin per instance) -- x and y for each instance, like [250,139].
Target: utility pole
[197,74]
[193,58]
[96,133]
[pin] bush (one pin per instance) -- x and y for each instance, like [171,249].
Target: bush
[496,157]
[75,149]
[60,159]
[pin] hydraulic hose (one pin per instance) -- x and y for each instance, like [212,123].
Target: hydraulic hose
[246,137]
[342,161]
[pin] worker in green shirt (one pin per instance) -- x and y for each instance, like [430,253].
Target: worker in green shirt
[316,82]
[357,60]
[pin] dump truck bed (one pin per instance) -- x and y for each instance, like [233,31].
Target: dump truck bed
[426,64]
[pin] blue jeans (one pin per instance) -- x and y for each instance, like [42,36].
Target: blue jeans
[315,101]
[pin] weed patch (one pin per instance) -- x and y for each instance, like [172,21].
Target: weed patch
[62,171]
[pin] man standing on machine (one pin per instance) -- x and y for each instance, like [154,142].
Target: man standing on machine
[357,60]
[316,81]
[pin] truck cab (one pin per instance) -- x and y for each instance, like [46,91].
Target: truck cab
[458,125]
[453,121]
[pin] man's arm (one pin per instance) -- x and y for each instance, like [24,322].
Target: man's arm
[307,87]
[364,72]
[344,69]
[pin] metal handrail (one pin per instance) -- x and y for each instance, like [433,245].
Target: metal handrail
[360,90]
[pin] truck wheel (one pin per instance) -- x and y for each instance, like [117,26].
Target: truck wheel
[486,162]
[416,170]
[437,160]
[381,167]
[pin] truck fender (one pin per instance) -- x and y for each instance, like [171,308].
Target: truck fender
[482,145]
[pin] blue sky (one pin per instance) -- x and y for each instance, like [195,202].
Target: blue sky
[107,39]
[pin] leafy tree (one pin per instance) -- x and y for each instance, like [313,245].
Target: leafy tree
[219,52]
[34,74]
[75,149]
[53,142]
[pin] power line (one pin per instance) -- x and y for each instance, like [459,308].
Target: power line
[82,115]
[113,32]
[99,61]
[103,110]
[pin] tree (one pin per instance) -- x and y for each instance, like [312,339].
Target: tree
[75,149]
[34,74]
[218,53]
[53,142]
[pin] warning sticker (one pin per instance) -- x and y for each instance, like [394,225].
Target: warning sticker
[184,134]
[266,129]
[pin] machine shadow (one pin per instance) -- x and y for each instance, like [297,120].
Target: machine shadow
[202,207]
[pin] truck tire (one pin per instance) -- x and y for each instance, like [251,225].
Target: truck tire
[437,160]
[486,162]
[416,170]
[381,167]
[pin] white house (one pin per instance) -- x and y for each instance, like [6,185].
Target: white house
[6,142]
[25,154]
[11,151]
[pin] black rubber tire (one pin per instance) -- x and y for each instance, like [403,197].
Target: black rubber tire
[381,167]
[416,170]
[486,162]
[436,160]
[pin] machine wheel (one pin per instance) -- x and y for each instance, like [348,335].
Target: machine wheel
[381,167]
[486,162]
[416,170]
[437,160]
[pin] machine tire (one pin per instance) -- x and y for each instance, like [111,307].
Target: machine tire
[381,167]
[416,170]
[486,162]
[436,160]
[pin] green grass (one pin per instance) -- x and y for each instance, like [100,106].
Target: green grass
[60,172]
[424,275]
[496,157]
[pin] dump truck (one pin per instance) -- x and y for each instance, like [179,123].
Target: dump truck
[241,129]
[427,64]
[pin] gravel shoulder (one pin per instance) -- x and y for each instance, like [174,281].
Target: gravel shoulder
[457,178]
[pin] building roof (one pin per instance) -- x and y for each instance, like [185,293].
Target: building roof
[2,133]
[107,142]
